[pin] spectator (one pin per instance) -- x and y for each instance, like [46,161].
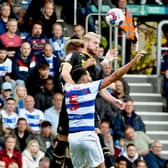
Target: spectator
[46,137]
[24,63]
[37,78]
[36,39]
[44,163]
[43,99]
[52,114]
[9,116]
[33,116]
[19,95]
[51,59]
[131,156]
[139,139]
[6,92]
[105,130]
[5,11]
[9,154]
[22,135]
[48,18]
[121,89]
[127,27]
[5,63]
[78,32]
[10,39]
[32,154]
[153,158]
[121,163]
[57,41]
[141,164]
[127,117]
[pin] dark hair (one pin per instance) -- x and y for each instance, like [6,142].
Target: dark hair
[38,22]
[21,119]
[45,124]
[77,73]
[131,144]
[43,65]
[10,98]
[2,47]
[139,161]
[47,79]
[126,127]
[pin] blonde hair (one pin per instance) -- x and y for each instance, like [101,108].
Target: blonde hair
[31,142]
[90,35]
[16,97]
[13,165]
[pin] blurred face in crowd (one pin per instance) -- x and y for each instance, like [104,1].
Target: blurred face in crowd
[57,100]
[29,103]
[12,26]
[6,93]
[46,131]
[3,55]
[107,69]
[21,91]
[130,133]
[49,85]
[22,125]
[11,105]
[57,30]
[157,148]
[122,3]
[79,31]
[37,30]
[131,151]
[5,11]
[48,51]
[25,49]
[141,164]
[44,72]
[105,128]
[10,143]
[48,9]
[34,147]
[122,164]
[129,108]
[2,164]
[119,87]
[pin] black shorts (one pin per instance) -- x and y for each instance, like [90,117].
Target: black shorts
[63,125]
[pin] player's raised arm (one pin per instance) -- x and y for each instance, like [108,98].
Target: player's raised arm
[121,71]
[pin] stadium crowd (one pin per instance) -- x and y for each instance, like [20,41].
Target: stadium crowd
[35,62]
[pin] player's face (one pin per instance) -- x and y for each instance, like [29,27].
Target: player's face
[37,30]
[84,79]
[93,46]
